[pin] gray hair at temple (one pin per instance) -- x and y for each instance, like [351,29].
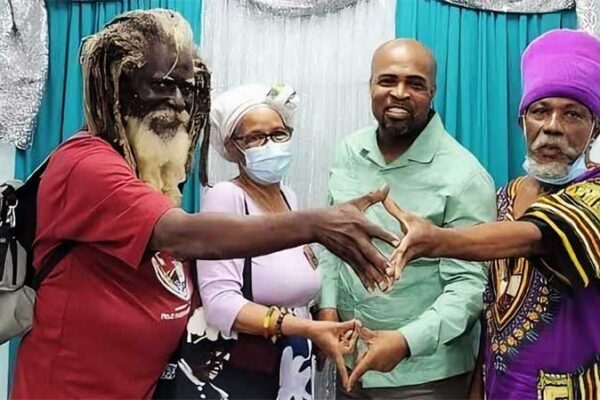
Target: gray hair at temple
[120,46]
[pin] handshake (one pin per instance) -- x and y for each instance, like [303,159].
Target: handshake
[383,350]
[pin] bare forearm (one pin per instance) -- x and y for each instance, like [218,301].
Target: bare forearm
[251,318]
[488,241]
[223,236]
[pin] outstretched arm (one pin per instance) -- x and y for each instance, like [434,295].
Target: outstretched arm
[483,242]
[341,228]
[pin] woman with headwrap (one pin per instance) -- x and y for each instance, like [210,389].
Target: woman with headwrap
[254,324]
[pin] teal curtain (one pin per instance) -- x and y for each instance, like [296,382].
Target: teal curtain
[479,79]
[61,112]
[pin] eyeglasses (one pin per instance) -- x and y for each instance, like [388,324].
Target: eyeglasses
[260,138]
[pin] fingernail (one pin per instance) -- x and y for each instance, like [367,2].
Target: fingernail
[390,271]
[383,286]
[396,243]
[390,287]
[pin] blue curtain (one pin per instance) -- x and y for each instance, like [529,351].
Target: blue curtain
[61,112]
[479,79]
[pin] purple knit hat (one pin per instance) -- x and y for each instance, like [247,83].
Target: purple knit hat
[562,63]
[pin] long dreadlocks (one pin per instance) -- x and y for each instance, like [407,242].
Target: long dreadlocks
[120,47]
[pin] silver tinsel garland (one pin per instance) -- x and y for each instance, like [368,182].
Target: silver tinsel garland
[301,8]
[588,11]
[588,15]
[23,68]
[516,6]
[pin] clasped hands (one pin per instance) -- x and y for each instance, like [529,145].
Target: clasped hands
[383,350]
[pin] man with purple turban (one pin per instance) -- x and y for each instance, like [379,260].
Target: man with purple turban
[542,335]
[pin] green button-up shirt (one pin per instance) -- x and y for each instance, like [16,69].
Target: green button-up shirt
[436,304]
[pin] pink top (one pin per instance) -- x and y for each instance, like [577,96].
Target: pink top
[284,278]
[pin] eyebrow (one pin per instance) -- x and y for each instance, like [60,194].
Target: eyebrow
[190,83]
[386,75]
[539,103]
[275,129]
[569,106]
[169,77]
[408,77]
[416,78]
[578,107]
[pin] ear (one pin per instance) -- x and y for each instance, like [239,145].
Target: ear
[235,155]
[588,161]
[596,131]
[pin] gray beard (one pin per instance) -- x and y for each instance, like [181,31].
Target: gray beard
[165,123]
[161,155]
[549,170]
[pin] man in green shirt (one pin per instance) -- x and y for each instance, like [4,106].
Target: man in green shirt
[431,312]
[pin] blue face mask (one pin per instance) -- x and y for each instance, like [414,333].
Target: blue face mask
[575,169]
[268,164]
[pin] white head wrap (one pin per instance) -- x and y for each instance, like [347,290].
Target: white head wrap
[228,109]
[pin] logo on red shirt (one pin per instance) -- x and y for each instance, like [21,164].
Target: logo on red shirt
[170,273]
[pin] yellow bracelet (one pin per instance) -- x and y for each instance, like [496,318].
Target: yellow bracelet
[267,321]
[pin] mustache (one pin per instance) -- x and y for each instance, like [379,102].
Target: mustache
[167,115]
[558,143]
[405,105]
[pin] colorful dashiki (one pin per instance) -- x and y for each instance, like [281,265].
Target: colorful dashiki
[543,314]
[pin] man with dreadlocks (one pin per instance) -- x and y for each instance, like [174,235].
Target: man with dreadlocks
[131,103]
[111,313]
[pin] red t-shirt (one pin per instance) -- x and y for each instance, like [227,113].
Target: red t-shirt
[109,316]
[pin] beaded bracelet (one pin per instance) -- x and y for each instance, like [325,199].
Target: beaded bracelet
[282,313]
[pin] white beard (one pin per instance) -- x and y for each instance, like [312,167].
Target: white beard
[160,157]
[548,170]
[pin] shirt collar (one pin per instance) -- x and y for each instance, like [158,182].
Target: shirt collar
[421,151]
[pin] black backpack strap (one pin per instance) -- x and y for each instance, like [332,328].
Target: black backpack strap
[27,237]
[53,259]
[247,272]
